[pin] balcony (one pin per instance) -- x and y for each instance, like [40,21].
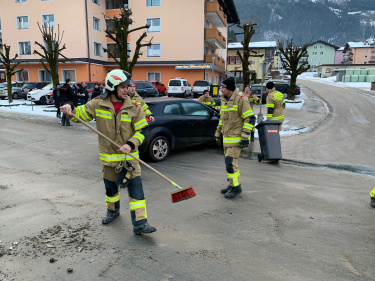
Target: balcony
[215,14]
[219,62]
[215,38]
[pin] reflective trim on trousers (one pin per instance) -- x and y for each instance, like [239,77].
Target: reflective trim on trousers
[234,177]
[112,199]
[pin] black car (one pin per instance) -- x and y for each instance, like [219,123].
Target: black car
[146,89]
[29,86]
[178,124]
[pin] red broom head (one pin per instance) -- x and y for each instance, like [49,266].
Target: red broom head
[182,194]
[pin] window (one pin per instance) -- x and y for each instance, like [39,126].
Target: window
[24,48]
[153,50]
[152,3]
[69,74]
[313,59]
[315,47]
[23,22]
[154,25]
[22,75]
[48,20]
[96,24]
[314,53]
[232,60]
[366,51]
[112,47]
[206,76]
[365,57]
[238,60]
[172,109]
[110,25]
[97,2]
[197,109]
[44,76]
[20,1]
[321,46]
[207,24]
[313,66]
[321,53]
[153,76]
[98,49]
[116,4]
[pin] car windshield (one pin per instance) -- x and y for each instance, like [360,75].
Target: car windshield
[256,88]
[200,83]
[28,85]
[175,83]
[49,86]
[3,85]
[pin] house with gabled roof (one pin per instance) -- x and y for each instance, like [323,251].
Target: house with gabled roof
[321,52]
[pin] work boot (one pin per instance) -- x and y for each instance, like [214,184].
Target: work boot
[143,229]
[252,136]
[373,202]
[111,215]
[233,191]
[225,190]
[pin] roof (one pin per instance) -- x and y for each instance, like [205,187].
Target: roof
[366,44]
[230,10]
[325,43]
[254,45]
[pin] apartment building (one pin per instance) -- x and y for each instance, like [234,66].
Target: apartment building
[319,53]
[266,48]
[186,36]
[359,52]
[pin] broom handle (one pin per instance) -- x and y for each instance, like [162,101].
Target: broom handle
[118,146]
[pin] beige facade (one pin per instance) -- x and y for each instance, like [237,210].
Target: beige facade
[187,33]
[359,53]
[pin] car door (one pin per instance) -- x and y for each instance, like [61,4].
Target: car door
[174,121]
[201,122]
[150,88]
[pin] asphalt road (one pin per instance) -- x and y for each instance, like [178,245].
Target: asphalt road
[299,219]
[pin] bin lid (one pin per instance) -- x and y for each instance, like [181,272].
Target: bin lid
[263,123]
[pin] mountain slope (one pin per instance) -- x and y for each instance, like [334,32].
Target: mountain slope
[334,21]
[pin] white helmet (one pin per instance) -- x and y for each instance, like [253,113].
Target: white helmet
[117,77]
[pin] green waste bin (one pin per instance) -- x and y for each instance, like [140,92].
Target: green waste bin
[214,90]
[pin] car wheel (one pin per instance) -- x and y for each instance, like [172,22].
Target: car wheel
[43,100]
[15,96]
[169,95]
[159,149]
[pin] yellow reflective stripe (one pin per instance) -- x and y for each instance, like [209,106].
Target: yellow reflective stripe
[147,112]
[117,157]
[244,135]
[112,199]
[234,177]
[248,126]
[247,113]
[220,123]
[140,124]
[137,204]
[125,117]
[145,106]
[270,105]
[135,101]
[269,115]
[372,193]
[140,137]
[278,96]
[73,119]
[231,140]
[82,113]
[103,113]
[278,117]
[226,108]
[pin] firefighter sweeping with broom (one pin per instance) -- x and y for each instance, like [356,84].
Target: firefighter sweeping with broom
[236,122]
[122,121]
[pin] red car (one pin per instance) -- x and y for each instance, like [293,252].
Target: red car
[161,88]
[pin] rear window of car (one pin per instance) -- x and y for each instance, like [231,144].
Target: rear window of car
[256,88]
[148,85]
[200,83]
[139,85]
[175,83]
[29,85]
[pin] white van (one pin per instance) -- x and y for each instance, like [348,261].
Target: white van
[178,87]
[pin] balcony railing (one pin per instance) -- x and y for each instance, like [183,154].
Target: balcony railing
[213,37]
[219,62]
[215,14]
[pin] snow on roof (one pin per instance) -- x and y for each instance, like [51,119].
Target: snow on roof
[261,44]
[361,44]
[340,49]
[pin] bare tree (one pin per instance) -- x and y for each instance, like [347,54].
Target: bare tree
[291,61]
[10,66]
[248,32]
[118,30]
[52,51]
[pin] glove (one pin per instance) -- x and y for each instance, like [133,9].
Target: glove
[218,141]
[123,178]
[244,143]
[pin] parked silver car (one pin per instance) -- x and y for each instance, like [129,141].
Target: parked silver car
[16,90]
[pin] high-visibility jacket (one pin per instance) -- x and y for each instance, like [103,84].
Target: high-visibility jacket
[207,101]
[275,106]
[123,127]
[252,100]
[136,98]
[236,120]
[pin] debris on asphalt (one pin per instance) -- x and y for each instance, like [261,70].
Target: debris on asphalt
[52,260]
[70,270]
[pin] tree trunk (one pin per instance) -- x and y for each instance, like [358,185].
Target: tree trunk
[9,87]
